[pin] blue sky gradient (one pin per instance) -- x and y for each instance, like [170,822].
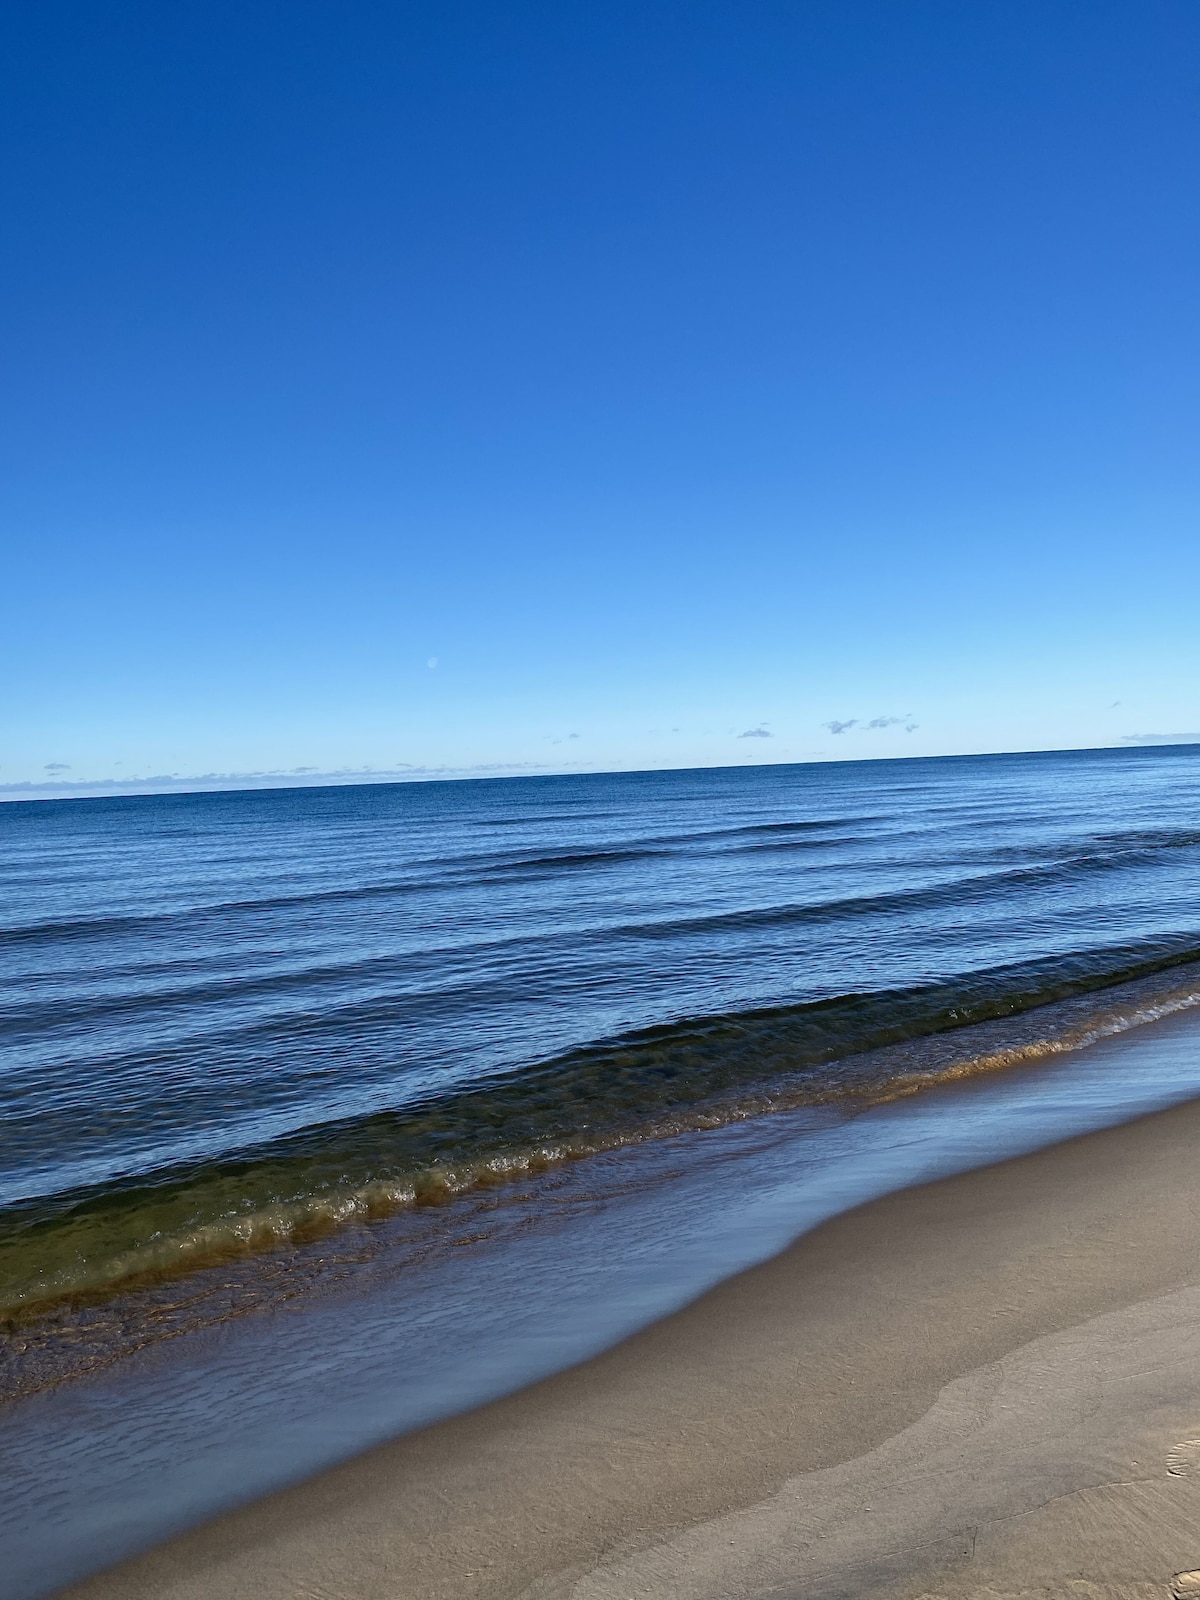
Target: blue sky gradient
[460,387]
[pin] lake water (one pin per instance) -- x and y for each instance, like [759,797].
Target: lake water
[268,1056]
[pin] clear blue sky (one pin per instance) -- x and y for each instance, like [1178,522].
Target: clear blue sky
[664,373]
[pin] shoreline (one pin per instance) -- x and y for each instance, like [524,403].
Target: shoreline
[996,1365]
[63,1335]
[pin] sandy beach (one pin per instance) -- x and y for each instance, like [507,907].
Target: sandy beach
[988,1385]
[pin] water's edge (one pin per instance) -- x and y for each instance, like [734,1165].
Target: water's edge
[180,1430]
[74,1248]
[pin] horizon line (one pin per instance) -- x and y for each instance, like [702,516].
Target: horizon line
[265,781]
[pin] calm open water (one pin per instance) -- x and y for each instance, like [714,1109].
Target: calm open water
[261,1046]
[230,1020]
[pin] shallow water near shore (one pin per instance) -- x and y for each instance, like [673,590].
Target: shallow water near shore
[97,1469]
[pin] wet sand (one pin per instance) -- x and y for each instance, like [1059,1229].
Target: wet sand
[989,1385]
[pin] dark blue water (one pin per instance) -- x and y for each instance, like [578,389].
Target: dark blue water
[235,1021]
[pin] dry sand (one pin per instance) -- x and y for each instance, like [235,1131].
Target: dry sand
[988,1386]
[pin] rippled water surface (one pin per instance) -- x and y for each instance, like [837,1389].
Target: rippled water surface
[236,1021]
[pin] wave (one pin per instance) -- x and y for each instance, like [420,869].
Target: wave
[1107,852]
[57,1013]
[702,1072]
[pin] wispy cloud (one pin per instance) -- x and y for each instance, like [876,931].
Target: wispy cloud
[761,732]
[1160,738]
[904,722]
[295,778]
[57,766]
